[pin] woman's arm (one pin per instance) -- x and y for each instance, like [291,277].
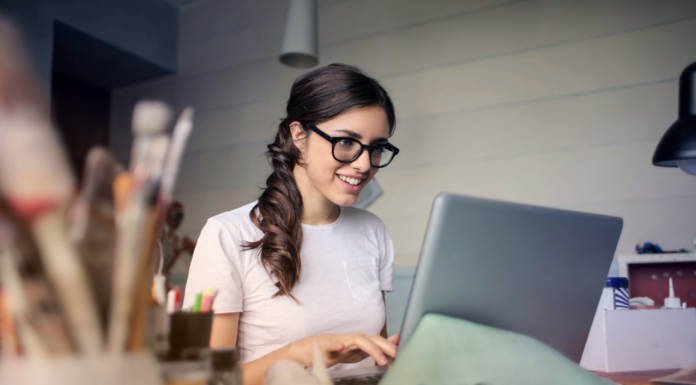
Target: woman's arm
[224,335]
[333,348]
[224,331]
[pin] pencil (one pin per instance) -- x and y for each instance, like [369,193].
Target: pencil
[197,303]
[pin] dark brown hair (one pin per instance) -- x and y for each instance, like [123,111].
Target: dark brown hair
[315,97]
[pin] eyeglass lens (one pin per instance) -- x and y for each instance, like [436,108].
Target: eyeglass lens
[347,150]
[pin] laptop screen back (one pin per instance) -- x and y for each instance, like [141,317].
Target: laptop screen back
[528,269]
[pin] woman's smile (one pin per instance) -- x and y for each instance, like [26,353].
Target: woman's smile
[351,184]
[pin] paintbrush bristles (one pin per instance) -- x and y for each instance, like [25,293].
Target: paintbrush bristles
[186,114]
[151,117]
[182,130]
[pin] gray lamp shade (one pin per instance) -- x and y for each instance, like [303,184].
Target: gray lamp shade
[677,148]
[300,39]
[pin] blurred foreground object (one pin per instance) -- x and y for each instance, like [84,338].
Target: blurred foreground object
[445,350]
[288,372]
[92,225]
[36,183]
[177,249]
[139,369]
[77,265]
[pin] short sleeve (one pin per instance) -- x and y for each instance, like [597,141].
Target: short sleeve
[215,265]
[386,260]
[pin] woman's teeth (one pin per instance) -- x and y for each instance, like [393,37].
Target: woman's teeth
[351,181]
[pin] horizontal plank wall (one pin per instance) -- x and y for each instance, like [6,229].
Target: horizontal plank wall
[548,102]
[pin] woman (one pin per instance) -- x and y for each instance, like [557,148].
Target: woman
[272,303]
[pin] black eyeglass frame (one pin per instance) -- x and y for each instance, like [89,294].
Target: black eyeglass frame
[369,148]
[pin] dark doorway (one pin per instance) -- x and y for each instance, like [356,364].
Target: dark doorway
[81,112]
[85,72]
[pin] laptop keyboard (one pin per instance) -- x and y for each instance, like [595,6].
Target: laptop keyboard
[370,379]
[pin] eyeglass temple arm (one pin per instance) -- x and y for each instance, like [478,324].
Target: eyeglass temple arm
[318,131]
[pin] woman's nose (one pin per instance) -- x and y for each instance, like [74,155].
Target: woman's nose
[362,164]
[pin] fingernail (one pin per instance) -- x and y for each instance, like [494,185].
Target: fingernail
[383,360]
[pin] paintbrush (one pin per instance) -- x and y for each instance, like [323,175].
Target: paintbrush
[180,135]
[170,168]
[35,307]
[9,342]
[93,226]
[147,252]
[133,215]
[37,184]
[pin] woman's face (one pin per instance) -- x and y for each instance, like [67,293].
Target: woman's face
[341,183]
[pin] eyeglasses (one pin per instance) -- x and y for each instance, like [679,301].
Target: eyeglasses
[347,150]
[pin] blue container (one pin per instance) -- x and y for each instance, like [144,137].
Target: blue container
[619,286]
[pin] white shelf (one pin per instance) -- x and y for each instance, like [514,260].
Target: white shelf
[625,260]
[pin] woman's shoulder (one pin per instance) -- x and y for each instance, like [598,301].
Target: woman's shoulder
[235,220]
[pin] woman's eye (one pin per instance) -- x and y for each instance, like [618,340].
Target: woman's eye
[345,143]
[380,150]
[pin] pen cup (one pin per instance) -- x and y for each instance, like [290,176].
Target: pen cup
[189,334]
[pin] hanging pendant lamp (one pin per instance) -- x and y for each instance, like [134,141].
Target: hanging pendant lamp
[677,148]
[300,39]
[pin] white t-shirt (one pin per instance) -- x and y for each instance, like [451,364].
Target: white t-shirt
[345,267]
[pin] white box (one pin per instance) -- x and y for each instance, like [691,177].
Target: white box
[631,340]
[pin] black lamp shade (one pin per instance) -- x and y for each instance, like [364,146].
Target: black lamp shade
[679,142]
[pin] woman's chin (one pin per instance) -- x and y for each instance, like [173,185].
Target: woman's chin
[345,199]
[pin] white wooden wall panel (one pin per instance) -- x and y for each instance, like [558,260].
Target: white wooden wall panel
[618,116]
[258,41]
[242,125]
[554,178]
[600,62]
[503,30]
[618,60]
[223,16]
[223,169]
[558,103]
[210,203]
[641,218]
[669,221]
[339,22]
[351,20]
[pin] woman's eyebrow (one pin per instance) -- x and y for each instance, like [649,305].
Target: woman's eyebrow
[350,133]
[355,135]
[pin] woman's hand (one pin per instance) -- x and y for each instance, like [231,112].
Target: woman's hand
[346,348]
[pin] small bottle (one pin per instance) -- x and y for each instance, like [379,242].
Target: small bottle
[226,369]
[672,302]
[619,292]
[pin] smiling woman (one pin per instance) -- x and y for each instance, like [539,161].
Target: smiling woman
[301,264]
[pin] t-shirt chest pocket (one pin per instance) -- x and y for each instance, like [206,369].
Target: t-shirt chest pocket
[362,279]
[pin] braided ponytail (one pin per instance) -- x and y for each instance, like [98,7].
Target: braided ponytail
[315,97]
[280,214]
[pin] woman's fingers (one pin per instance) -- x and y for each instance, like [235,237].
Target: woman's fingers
[368,346]
[352,356]
[394,339]
[356,347]
[387,346]
[334,346]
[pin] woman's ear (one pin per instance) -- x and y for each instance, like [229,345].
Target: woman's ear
[298,135]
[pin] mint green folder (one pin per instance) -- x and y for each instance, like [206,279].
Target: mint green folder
[450,351]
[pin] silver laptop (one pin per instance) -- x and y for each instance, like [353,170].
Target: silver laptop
[528,269]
